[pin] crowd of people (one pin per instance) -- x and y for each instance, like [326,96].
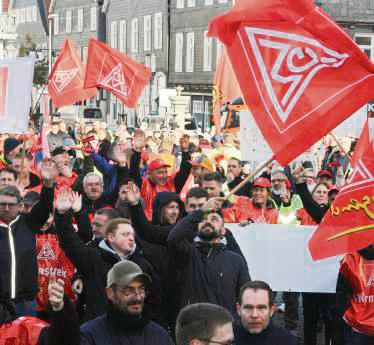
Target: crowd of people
[120,238]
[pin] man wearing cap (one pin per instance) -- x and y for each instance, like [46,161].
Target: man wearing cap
[11,147]
[324,176]
[199,166]
[158,179]
[259,209]
[235,177]
[124,323]
[66,177]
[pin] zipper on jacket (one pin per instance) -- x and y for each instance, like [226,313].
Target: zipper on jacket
[210,251]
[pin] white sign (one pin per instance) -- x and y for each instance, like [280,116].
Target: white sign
[279,255]
[16,77]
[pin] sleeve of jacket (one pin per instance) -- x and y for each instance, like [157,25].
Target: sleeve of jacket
[82,256]
[316,212]
[343,294]
[183,173]
[233,245]
[40,212]
[102,164]
[181,238]
[244,276]
[121,174]
[64,327]
[134,170]
[84,225]
[145,229]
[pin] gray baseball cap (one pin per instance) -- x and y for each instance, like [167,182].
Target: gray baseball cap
[124,272]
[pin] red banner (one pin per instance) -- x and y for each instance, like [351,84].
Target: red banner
[51,259]
[3,88]
[349,224]
[67,76]
[116,72]
[301,75]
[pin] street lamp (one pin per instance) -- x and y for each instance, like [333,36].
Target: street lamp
[51,18]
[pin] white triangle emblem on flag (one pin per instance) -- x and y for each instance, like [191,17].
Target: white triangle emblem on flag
[370,269]
[260,220]
[61,79]
[297,60]
[360,172]
[115,80]
[46,253]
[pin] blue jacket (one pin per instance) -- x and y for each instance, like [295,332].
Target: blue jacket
[108,170]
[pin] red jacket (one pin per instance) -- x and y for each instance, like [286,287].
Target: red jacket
[149,191]
[304,217]
[359,272]
[244,209]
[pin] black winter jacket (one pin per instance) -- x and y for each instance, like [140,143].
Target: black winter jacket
[94,265]
[211,273]
[18,251]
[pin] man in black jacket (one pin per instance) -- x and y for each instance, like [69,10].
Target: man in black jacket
[211,273]
[255,309]
[124,321]
[19,270]
[235,177]
[94,263]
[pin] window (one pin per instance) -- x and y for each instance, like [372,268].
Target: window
[18,16]
[178,52]
[180,3]
[113,35]
[208,44]
[208,2]
[222,1]
[68,22]
[85,54]
[190,52]
[93,19]
[147,33]
[134,35]
[34,13]
[366,43]
[219,49]
[190,3]
[23,15]
[28,14]
[122,36]
[158,31]
[80,20]
[198,107]
[56,24]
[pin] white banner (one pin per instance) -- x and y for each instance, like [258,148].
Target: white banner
[16,77]
[279,255]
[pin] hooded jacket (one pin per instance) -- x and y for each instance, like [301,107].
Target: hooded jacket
[210,272]
[94,265]
[19,270]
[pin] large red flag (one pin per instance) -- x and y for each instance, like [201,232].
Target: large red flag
[109,69]
[225,87]
[349,224]
[300,74]
[67,76]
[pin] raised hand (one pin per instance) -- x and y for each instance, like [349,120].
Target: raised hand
[131,195]
[184,142]
[64,201]
[76,204]
[139,140]
[56,292]
[213,204]
[119,155]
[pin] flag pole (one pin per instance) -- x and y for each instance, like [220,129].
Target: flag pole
[248,178]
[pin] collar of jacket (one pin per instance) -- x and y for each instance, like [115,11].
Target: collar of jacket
[206,246]
[10,223]
[105,246]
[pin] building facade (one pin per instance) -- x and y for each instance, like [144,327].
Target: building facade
[140,30]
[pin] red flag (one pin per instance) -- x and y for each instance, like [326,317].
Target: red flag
[67,76]
[111,70]
[300,74]
[349,224]
[225,87]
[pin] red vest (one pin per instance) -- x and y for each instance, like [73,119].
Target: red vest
[149,192]
[23,331]
[304,217]
[360,274]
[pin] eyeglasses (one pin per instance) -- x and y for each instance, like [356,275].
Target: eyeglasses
[8,204]
[130,292]
[232,166]
[278,180]
[228,342]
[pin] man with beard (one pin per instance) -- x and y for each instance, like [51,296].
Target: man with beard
[279,184]
[211,273]
[124,322]
[255,309]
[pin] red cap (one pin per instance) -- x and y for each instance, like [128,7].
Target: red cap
[324,173]
[157,164]
[334,187]
[262,182]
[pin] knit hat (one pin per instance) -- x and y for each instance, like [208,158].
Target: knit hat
[10,144]
[124,272]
